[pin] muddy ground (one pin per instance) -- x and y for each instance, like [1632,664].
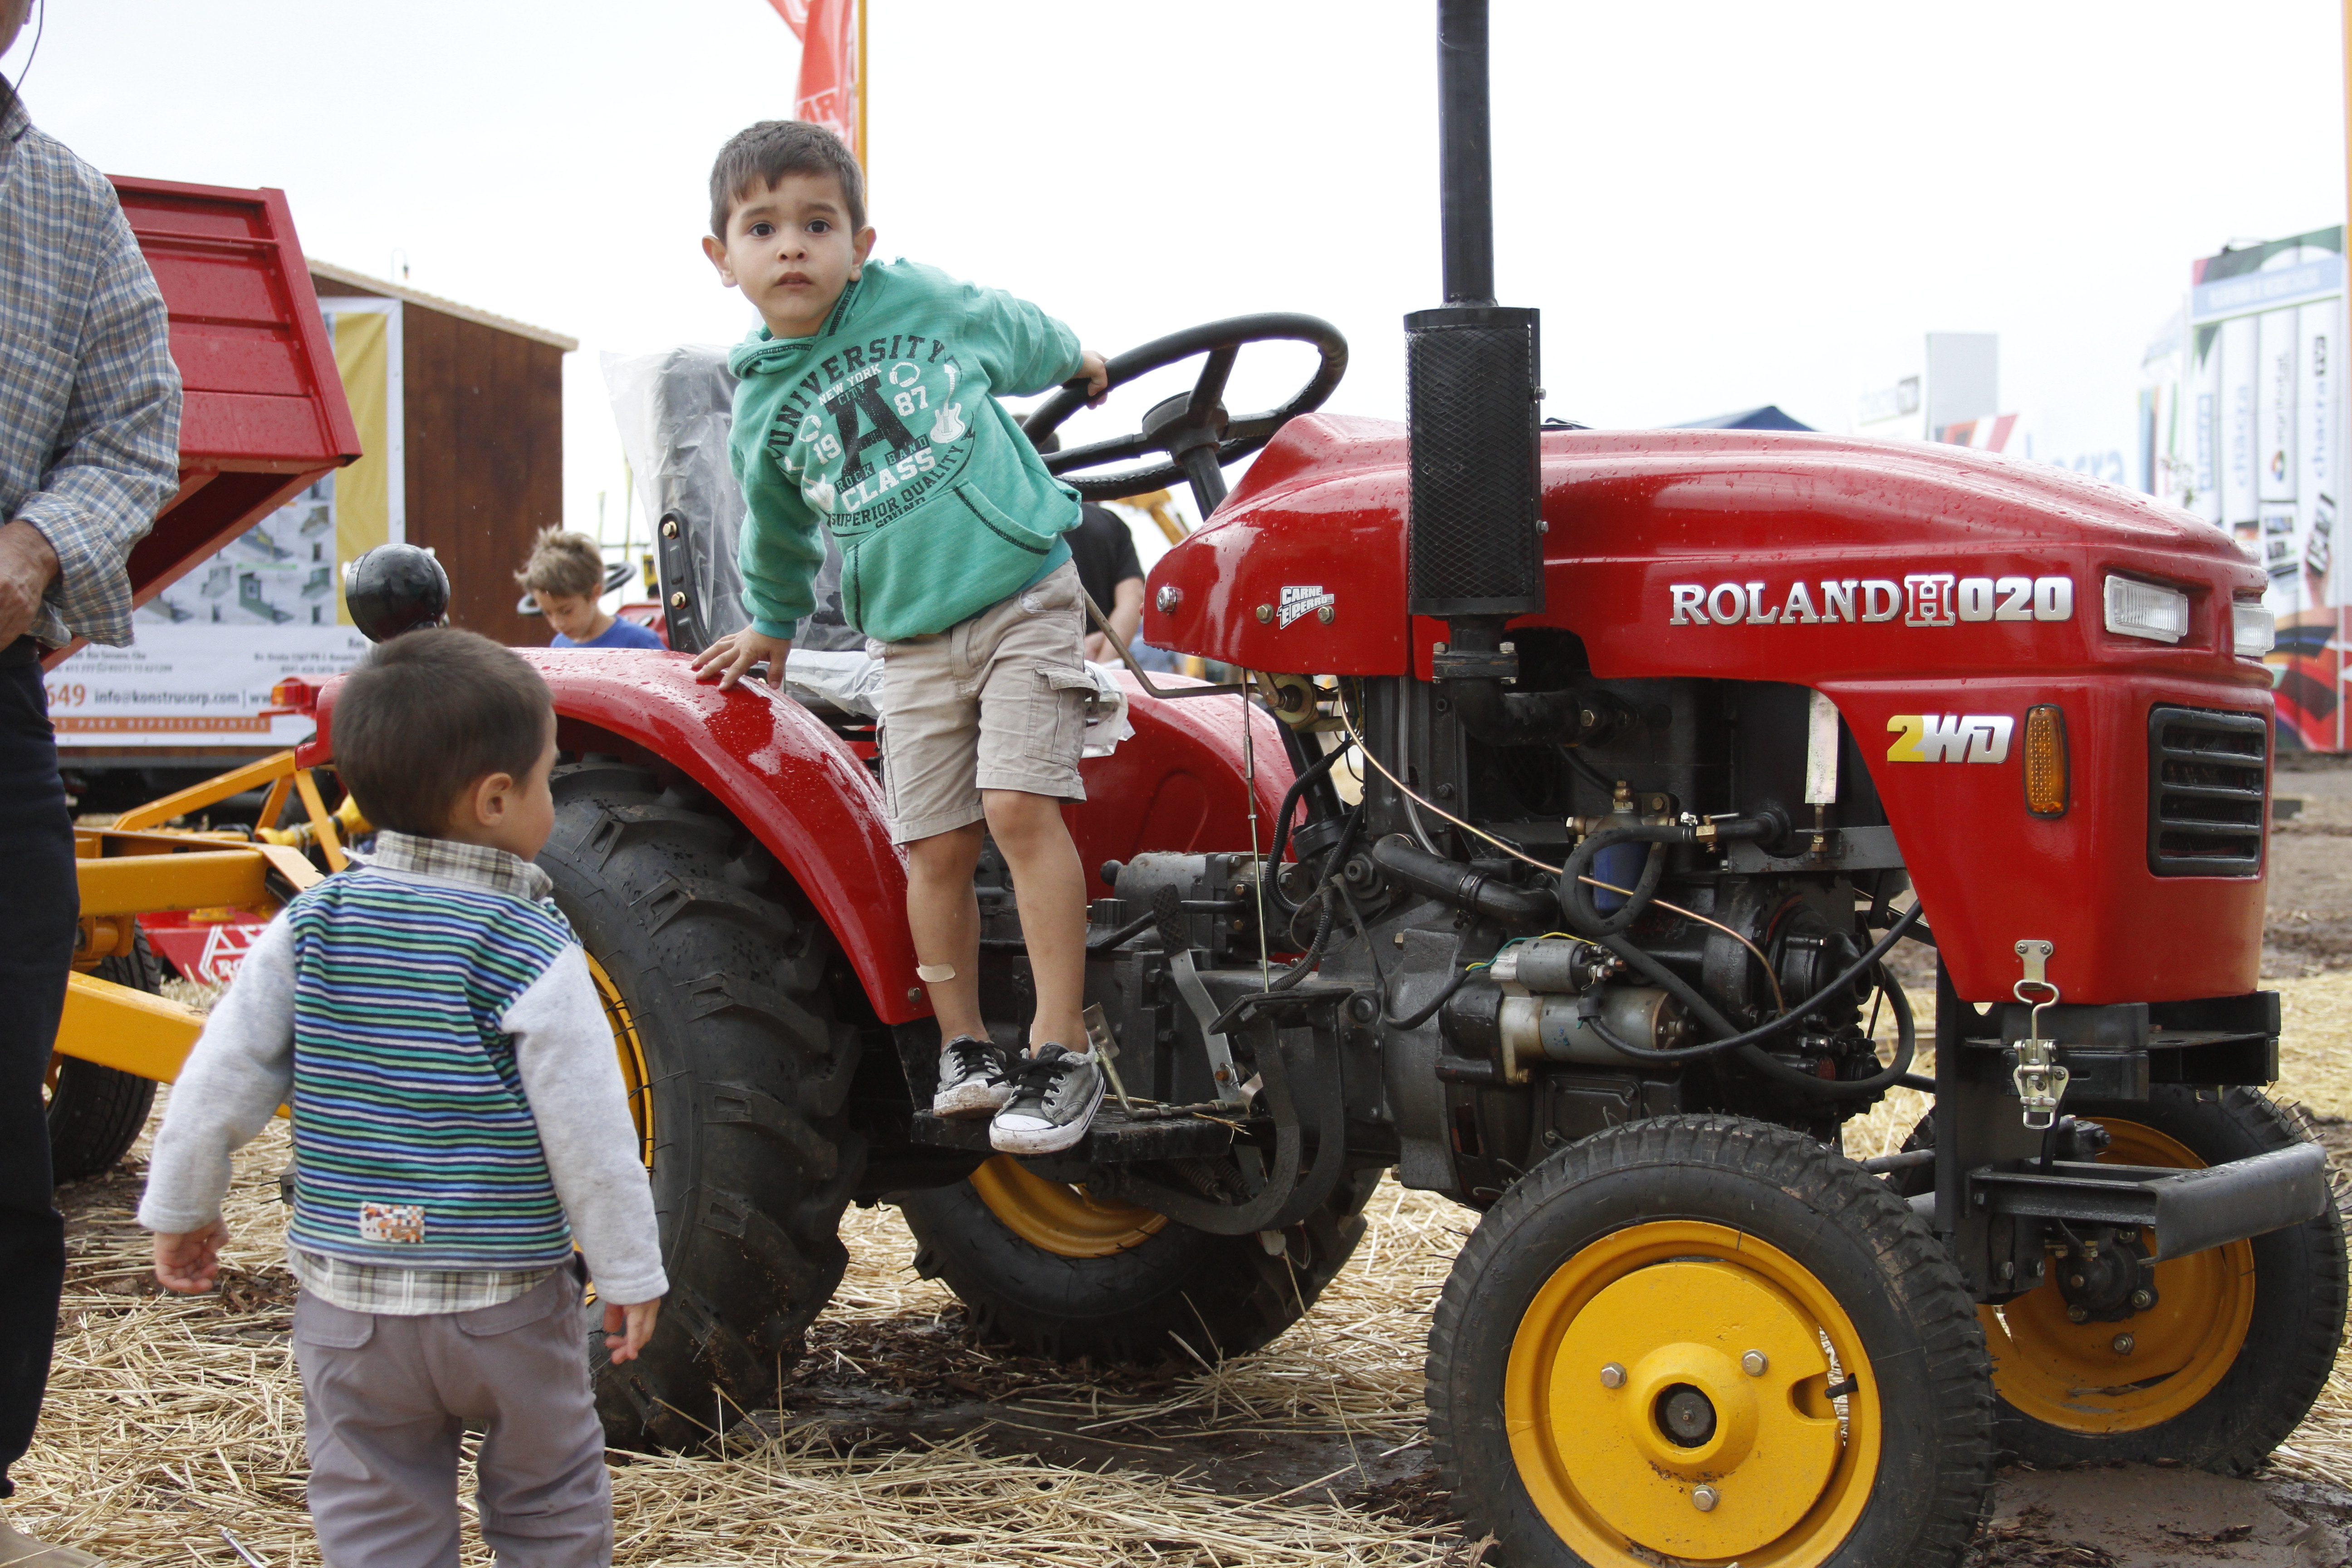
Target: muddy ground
[2309,928]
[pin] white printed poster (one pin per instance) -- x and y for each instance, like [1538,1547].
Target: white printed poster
[2257,447]
[208,649]
[2240,496]
[2204,409]
[2316,413]
[2274,407]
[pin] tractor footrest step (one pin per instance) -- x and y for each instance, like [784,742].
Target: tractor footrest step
[1113,1140]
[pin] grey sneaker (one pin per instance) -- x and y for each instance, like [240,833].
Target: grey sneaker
[972,1081]
[1055,1094]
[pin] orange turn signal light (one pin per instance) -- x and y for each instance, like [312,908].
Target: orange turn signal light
[2046,760]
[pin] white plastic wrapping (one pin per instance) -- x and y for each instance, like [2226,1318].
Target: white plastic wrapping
[675,409]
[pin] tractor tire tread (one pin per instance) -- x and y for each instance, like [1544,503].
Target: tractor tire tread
[1918,1274]
[96,1113]
[1183,1294]
[753,1163]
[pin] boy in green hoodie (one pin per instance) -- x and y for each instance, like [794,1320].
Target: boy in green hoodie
[865,405]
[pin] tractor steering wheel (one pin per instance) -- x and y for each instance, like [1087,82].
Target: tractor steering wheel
[1193,428]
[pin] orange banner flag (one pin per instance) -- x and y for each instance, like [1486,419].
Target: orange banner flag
[830,92]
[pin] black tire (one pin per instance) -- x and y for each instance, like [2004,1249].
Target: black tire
[1220,1295]
[722,967]
[2295,1331]
[95,1113]
[1856,1241]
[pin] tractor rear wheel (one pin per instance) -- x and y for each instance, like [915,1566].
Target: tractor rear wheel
[713,971]
[96,1112]
[1709,1338]
[2237,1346]
[1061,1275]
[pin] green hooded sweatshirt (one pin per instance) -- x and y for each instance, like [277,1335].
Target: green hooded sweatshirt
[882,428]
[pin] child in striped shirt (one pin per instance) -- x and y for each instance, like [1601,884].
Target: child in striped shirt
[458,1119]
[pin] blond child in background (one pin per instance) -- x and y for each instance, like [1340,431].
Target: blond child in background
[565,576]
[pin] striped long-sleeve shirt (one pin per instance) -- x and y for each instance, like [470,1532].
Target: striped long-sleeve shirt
[89,400]
[455,1090]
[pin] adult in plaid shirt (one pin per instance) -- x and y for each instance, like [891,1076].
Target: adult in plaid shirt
[89,430]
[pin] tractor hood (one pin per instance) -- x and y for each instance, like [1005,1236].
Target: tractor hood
[1707,553]
[264,413]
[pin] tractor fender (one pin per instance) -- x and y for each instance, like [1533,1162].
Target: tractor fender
[793,783]
[1177,784]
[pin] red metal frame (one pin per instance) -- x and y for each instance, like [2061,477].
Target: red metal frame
[264,413]
[1633,514]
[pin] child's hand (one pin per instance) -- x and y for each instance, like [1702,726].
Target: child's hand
[624,1344]
[1097,370]
[730,658]
[189,1261]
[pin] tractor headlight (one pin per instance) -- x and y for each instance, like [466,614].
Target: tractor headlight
[2253,631]
[2136,609]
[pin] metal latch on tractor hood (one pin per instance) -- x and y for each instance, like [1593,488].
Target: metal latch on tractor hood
[2040,1077]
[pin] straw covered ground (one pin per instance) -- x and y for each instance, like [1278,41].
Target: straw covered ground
[900,1440]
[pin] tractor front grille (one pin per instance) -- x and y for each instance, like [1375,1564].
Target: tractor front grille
[2208,792]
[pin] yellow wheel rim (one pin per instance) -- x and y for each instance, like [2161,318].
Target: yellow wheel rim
[1060,1218]
[632,1051]
[2071,1376]
[1615,1343]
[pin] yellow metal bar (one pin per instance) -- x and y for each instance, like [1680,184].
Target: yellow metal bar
[144,884]
[292,864]
[322,821]
[212,792]
[273,804]
[118,1027]
[865,79]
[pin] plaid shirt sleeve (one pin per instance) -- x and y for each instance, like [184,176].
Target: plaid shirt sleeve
[114,460]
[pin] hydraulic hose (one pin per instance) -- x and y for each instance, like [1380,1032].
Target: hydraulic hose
[1895,1073]
[1734,1039]
[1576,905]
[1298,787]
[1464,886]
[1457,976]
[1314,953]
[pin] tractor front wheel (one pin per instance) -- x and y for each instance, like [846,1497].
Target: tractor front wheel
[713,973]
[2238,1341]
[1062,1274]
[1709,1338]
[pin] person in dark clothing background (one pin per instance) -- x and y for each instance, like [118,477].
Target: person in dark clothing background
[1105,552]
[89,440]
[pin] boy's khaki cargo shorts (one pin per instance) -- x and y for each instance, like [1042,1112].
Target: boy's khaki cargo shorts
[998,702]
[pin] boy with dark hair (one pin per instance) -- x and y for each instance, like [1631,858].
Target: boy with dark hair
[458,1119]
[865,407]
[565,578]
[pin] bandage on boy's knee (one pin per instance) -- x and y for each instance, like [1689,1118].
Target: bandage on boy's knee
[932,973]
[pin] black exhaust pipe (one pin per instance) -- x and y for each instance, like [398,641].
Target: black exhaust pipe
[1472,394]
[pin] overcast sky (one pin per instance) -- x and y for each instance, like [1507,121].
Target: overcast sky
[1715,204]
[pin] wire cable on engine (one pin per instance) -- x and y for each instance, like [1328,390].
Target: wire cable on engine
[1348,722]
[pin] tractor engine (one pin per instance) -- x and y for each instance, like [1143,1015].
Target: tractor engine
[1489,1018]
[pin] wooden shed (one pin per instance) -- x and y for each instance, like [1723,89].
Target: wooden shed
[480,401]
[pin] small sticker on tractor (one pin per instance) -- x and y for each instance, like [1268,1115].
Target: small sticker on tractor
[391,1222]
[1303,601]
[1950,737]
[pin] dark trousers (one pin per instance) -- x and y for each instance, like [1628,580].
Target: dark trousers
[40,907]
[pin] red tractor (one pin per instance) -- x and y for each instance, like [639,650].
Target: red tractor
[1657,731]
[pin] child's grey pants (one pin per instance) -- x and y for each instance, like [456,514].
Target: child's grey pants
[386,1398]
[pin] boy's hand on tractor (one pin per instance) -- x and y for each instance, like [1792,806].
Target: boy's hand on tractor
[627,1328]
[730,658]
[1097,370]
[188,1261]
